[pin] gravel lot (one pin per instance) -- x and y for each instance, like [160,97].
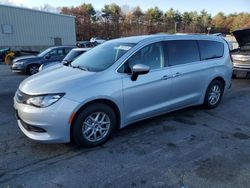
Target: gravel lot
[190,148]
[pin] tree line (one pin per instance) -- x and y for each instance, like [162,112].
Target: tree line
[113,21]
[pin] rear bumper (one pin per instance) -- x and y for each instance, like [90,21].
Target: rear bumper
[245,69]
[241,65]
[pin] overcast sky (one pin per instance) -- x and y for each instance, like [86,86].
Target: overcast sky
[212,6]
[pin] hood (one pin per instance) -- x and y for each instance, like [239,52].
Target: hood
[50,66]
[242,36]
[58,80]
[27,58]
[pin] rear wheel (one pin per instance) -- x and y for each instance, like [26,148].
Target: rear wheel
[94,125]
[214,94]
[32,69]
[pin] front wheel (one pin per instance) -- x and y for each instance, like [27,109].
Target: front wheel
[94,125]
[214,94]
[32,69]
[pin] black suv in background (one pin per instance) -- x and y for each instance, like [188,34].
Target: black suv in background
[30,64]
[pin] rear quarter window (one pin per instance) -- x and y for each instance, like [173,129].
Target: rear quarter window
[210,49]
[181,52]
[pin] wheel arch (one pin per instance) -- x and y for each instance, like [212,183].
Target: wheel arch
[221,79]
[217,77]
[27,66]
[108,102]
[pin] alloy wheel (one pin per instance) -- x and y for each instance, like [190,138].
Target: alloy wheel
[33,69]
[214,94]
[96,126]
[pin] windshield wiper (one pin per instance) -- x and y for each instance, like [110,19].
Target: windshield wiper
[80,67]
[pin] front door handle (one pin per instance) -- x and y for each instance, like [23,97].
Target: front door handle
[165,77]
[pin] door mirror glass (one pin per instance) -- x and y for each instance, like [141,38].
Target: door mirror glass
[139,69]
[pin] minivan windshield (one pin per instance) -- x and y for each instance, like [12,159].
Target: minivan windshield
[103,56]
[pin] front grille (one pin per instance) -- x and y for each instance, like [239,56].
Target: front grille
[32,128]
[21,97]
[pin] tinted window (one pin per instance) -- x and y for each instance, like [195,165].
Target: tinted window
[67,50]
[151,55]
[53,52]
[45,52]
[60,52]
[181,52]
[210,49]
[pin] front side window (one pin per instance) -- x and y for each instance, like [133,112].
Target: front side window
[102,56]
[150,55]
[181,52]
[211,49]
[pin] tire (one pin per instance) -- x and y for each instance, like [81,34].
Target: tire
[88,131]
[214,94]
[32,69]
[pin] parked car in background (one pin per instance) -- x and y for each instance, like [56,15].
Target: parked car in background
[241,56]
[97,40]
[120,82]
[71,56]
[85,44]
[30,64]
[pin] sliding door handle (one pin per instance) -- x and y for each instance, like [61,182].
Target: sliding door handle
[176,74]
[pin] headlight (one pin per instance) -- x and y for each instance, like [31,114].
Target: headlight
[43,101]
[18,63]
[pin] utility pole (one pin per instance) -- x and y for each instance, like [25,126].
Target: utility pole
[175,27]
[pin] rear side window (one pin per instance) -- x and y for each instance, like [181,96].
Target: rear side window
[210,49]
[179,52]
[60,52]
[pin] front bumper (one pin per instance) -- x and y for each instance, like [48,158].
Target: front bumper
[52,120]
[17,68]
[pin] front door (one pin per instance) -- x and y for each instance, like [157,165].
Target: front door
[150,93]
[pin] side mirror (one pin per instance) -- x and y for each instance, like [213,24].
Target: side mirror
[139,69]
[47,56]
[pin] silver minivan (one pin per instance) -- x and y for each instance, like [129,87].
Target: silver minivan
[120,82]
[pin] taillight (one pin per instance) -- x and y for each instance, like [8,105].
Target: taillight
[231,57]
